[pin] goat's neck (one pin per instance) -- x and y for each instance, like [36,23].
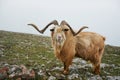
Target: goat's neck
[57,50]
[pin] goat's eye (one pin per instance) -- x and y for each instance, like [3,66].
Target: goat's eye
[51,29]
[65,29]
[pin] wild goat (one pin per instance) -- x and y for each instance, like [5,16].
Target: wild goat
[68,44]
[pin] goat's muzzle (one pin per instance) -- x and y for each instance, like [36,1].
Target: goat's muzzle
[59,38]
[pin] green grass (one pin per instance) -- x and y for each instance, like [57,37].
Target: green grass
[22,48]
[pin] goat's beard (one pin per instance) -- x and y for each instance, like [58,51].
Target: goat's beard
[58,47]
[58,44]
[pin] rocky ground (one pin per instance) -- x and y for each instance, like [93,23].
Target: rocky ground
[30,57]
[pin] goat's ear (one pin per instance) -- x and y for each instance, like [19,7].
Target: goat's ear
[51,29]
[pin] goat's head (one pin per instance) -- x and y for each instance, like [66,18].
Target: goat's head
[58,36]
[59,33]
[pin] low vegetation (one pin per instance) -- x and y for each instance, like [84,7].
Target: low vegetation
[35,52]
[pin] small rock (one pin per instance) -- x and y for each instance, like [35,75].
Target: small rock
[113,77]
[12,70]
[41,72]
[73,76]
[76,60]
[24,69]
[12,75]
[103,65]
[48,74]
[44,58]
[43,65]
[79,61]
[74,70]
[88,65]
[106,72]
[48,62]
[109,78]
[32,73]
[6,65]
[83,62]
[1,53]
[88,73]
[3,73]
[96,77]
[57,68]
[60,76]
[52,78]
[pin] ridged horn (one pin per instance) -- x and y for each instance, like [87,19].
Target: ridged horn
[65,23]
[43,30]
[80,30]
[74,34]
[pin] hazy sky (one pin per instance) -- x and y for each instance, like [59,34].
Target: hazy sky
[101,16]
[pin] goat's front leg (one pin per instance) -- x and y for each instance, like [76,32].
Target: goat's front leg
[66,66]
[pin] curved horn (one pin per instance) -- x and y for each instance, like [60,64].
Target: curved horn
[42,31]
[80,30]
[65,23]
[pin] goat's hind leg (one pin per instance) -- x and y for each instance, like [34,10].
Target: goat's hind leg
[97,64]
[96,69]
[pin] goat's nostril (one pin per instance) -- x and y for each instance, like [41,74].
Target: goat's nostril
[59,37]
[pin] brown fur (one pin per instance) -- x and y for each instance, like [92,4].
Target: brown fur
[67,44]
[90,46]
[86,45]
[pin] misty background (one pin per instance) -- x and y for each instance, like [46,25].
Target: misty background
[101,16]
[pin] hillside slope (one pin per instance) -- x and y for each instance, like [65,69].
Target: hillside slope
[35,52]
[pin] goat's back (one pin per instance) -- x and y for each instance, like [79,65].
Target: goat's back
[87,38]
[89,44]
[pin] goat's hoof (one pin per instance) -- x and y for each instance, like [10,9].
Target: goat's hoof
[97,72]
[65,72]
